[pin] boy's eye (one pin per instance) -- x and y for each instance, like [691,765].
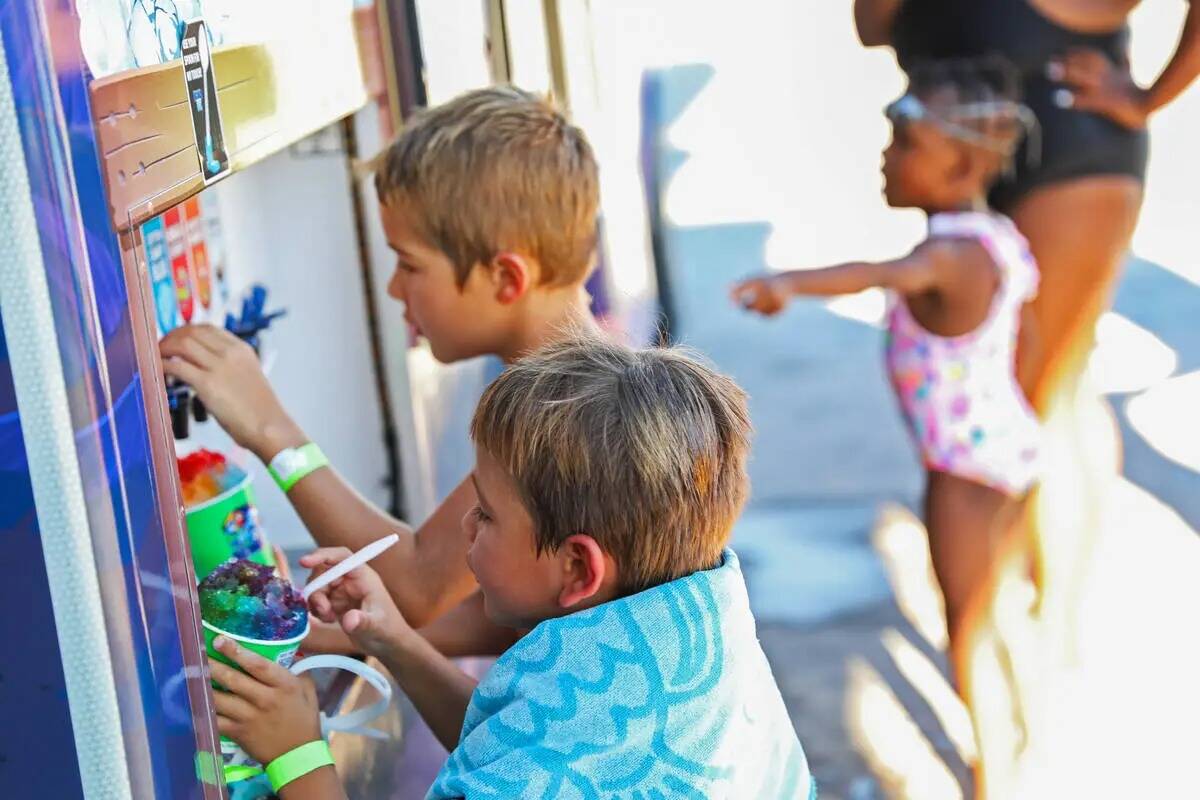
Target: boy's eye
[480,515]
[404,266]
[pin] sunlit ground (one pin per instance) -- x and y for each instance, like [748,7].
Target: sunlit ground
[1112,712]
[1111,696]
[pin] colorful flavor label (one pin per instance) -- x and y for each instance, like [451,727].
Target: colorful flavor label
[178,251]
[158,266]
[201,270]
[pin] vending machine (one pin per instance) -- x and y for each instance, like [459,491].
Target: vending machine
[167,162]
[164,162]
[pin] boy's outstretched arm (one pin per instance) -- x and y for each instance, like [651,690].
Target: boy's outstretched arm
[426,572]
[921,270]
[440,691]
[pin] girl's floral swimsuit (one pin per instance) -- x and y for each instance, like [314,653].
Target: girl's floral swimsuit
[959,394]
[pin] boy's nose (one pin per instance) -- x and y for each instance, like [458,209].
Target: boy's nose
[395,287]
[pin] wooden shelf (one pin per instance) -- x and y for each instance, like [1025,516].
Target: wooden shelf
[270,94]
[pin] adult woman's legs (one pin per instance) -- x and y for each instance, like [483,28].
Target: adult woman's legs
[1079,232]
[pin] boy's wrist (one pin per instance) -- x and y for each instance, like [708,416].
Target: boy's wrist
[291,766]
[276,436]
[321,783]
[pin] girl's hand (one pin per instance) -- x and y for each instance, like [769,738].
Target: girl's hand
[266,709]
[1094,82]
[227,376]
[761,295]
[359,601]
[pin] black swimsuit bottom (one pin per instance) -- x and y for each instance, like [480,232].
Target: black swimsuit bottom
[1074,144]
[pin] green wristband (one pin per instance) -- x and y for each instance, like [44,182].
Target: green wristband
[290,465]
[298,762]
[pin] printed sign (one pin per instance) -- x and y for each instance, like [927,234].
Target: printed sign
[201,270]
[202,100]
[177,252]
[158,265]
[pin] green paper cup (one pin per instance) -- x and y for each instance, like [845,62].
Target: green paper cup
[227,527]
[281,651]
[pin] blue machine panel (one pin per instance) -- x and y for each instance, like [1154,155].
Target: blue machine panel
[95,332]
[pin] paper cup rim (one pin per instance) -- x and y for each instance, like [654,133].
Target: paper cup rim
[223,496]
[297,639]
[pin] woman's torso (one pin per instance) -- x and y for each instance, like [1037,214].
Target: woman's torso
[1017,29]
[1072,143]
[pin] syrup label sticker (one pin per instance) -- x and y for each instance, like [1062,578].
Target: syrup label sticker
[177,250]
[201,269]
[158,267]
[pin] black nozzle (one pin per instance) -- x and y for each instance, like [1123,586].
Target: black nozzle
[179,402]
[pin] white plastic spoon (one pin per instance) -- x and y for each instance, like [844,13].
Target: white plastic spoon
[353,562]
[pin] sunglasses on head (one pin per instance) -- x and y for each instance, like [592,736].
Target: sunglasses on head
[910,108]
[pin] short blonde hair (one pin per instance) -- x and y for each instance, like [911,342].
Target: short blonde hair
[497,169]
[644,450]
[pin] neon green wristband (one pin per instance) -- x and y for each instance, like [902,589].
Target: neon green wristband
[298,762]
[291,464]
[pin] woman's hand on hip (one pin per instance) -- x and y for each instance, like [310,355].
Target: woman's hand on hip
[1093,82]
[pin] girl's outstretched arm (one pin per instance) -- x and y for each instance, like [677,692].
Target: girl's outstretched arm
[922,270]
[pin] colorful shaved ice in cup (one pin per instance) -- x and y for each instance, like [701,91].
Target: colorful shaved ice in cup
[205,474]
[249,603]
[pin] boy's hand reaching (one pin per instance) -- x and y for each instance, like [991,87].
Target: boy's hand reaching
[359,601]
[266,709]
[226,375]
[761,295]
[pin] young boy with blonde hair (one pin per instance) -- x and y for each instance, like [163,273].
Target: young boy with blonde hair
[608,480]
[489,202]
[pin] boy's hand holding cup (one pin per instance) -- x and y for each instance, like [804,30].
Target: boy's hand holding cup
[359,601]
[262,706]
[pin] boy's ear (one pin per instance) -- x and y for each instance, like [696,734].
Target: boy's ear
[586,570]
[512,275]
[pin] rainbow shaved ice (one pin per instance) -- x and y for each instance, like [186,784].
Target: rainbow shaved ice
[249,599]
[204,474]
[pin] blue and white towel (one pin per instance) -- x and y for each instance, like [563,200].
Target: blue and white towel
[664,694]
